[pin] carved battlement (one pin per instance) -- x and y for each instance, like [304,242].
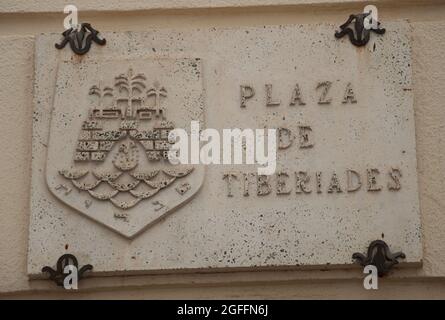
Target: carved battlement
[95,143]
[116,114]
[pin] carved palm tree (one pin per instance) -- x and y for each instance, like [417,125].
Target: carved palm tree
[134,86]
[101,93]
[157,92]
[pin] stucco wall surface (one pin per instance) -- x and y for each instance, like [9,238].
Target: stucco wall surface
[17,31]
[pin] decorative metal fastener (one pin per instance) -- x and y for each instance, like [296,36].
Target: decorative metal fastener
[362,34]
[58,275]
[380,256]
[80,39]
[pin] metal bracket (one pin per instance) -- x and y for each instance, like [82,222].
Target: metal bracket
[380,256]
[58,275]
[80,39]
[361,35]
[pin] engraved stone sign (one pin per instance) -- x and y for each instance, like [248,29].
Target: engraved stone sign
[345,175]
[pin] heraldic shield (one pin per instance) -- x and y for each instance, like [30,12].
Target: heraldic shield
[108,142]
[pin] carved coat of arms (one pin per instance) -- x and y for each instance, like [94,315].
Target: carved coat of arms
[108,145]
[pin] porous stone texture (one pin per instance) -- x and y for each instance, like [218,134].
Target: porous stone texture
[370,132]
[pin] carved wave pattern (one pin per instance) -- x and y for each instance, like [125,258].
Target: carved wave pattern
[136,186]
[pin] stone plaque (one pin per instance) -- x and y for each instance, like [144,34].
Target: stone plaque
[345,175]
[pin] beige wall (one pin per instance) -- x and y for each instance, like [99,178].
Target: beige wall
[21,20]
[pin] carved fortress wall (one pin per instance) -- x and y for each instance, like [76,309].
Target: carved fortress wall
[21,21]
